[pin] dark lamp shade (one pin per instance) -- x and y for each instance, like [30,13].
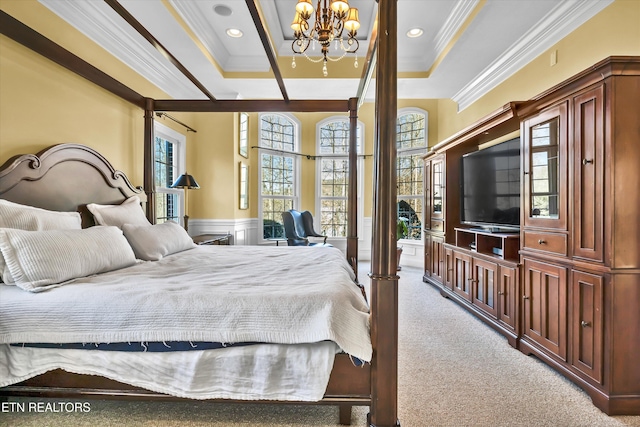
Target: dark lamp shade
[185,181]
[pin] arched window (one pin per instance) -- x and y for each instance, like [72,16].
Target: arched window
[333,175]
[411,144]
[278,171]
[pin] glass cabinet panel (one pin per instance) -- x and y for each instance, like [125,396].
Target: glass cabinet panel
[437,188]
[544,156]
[543,170]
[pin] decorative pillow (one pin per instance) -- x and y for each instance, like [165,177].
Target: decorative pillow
[39,260]
[129,212]
[152,242]
[14,215]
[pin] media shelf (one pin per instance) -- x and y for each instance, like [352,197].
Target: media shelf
[499,245]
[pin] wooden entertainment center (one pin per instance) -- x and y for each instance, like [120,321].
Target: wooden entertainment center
[566,288]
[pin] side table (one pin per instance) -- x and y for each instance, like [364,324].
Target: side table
[212,239]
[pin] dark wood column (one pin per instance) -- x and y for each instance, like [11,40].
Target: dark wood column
[384,280]
[149,161]
[352,206]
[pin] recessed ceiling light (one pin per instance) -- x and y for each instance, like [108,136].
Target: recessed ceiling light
[414,32]
[222,10]
[234,32]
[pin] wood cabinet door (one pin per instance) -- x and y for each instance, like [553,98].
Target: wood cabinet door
[544,168]
[427,255]
[461,274]
[448,265]
[437,258]
[484,285]
[508,296]
[588,174]
[544,304]
[587,324]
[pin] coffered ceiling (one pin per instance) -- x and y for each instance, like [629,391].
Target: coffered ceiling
[467,46]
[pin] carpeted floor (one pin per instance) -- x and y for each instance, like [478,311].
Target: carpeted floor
[453,371]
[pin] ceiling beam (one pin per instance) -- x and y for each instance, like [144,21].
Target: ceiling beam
[252,106]
[370,64]
[26,36]
[124,13]
[268,48]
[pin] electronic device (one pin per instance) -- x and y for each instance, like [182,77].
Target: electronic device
[490,187]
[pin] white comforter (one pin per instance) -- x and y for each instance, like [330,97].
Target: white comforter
[224,294]
[285,295]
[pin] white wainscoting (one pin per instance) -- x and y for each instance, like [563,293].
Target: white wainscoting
[245,232]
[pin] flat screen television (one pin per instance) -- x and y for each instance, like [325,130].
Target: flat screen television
[490,187]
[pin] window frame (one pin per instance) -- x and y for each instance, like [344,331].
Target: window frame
[318,166]
[296,166]
[180,159]
[413,151]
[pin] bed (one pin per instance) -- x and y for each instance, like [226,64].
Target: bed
[66,178]
[327,347]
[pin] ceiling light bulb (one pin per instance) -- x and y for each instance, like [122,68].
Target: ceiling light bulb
[414,32]
[234,32]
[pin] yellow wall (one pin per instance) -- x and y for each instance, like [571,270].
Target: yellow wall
[42,104]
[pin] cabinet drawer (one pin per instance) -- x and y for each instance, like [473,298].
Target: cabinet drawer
[547,242]
[437,225]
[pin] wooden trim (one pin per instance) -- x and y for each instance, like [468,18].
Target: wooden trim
[135,24]
[20,33]
[352,202]
[384,278]
[266,43]
[370,64]
[493,125]
[252,106]
[149,161]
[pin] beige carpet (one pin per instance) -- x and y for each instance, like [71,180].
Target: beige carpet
[453,371]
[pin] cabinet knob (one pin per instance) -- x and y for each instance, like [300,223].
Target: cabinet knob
[585,324]
[500,293]
[525,297]
[542,242]
[587,161]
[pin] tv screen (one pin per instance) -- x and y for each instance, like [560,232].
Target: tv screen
[490,190]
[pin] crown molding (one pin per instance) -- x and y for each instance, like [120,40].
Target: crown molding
[97,21]
[557,24]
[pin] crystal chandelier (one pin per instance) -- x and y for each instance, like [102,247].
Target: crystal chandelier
[332,19]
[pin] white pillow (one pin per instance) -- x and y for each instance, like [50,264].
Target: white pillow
[39,260]
[129,212]
[14,215]
[152,242]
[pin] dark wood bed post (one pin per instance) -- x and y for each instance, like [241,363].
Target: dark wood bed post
[352,208]
[384,278]
[149,160]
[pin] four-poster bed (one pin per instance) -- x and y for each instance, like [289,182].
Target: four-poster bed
[43,180]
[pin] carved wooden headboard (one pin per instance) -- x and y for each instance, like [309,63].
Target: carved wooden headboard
[65,177]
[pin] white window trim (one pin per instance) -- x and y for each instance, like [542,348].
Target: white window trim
[360,187]
[296,164]
[412,151]
[180,140]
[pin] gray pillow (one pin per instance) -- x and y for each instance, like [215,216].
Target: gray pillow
[153,242]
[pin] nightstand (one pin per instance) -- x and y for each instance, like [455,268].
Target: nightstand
[212,239]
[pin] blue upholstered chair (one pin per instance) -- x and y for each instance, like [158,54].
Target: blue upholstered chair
[298,227]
